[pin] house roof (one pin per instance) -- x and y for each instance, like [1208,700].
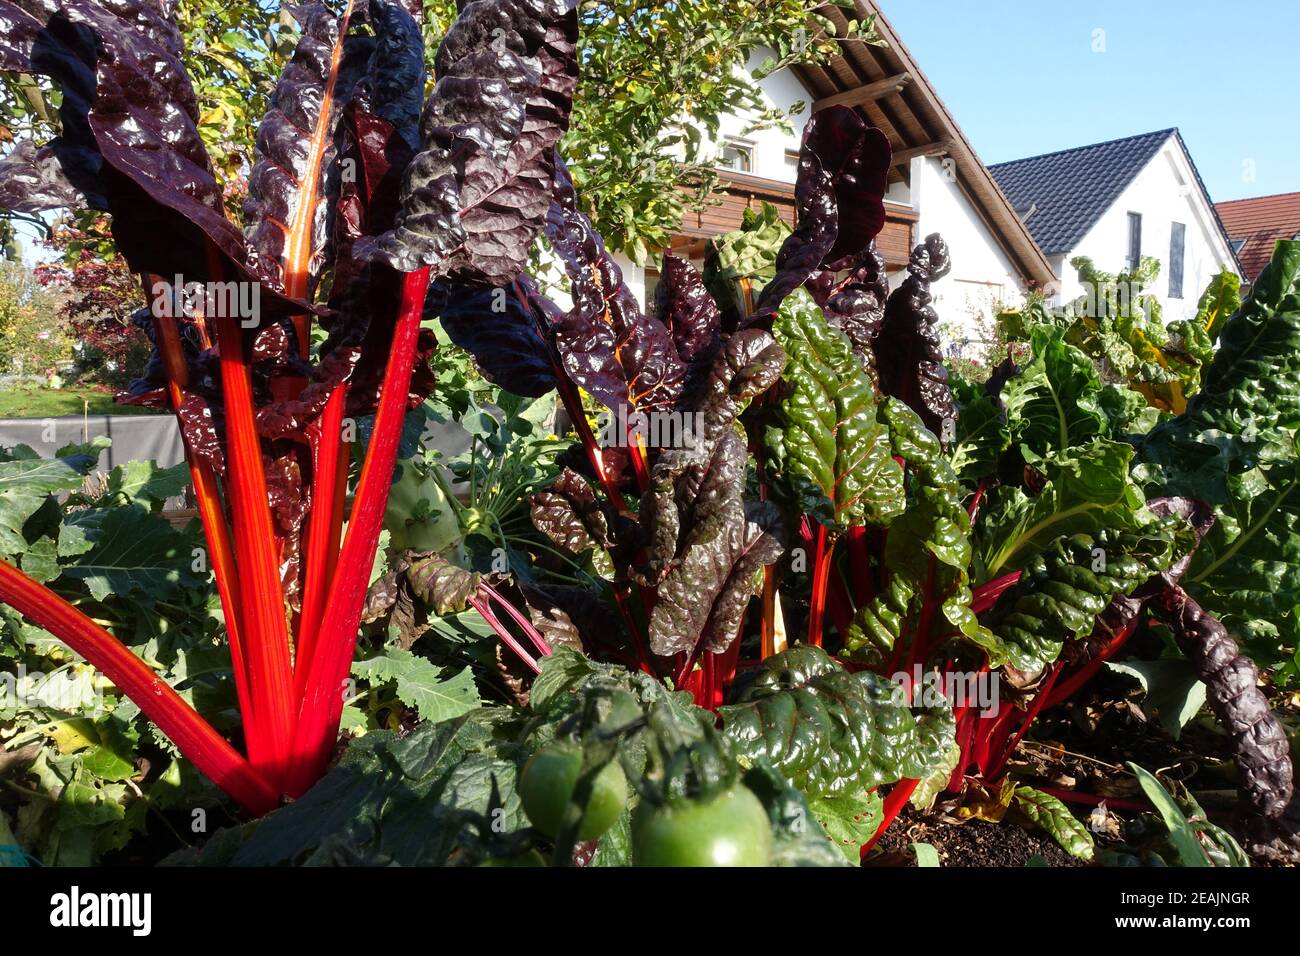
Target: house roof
[1258,224]
[1069,190]
[916,122]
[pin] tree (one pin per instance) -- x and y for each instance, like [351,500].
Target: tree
[656,77]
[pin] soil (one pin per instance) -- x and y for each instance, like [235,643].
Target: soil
[974,843]
[1081,751]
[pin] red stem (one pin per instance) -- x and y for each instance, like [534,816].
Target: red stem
[894,802]
[986,595]
[262,616]
[1093,800]
[525,625]
[480,604]
[1085,673]
[821,576]
[323,530]
[322,700]
[200,744]
[1035,707]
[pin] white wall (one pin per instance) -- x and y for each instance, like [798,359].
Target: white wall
[983,276]
[780,91]
[1164,192]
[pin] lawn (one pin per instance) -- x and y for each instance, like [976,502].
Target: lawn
[29,401]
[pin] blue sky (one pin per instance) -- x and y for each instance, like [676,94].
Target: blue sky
[1022,78]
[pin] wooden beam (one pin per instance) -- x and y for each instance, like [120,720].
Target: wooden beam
[864,94]
[904,156]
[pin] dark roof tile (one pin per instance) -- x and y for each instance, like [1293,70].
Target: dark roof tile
[1071,189]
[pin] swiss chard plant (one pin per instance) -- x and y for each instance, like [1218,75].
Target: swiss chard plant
[784,505]
[361,195]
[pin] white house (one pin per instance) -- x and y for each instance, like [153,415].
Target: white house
[937,183]
[1115,202]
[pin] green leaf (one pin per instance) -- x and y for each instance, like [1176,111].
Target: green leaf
[25,483]
[831,732]
[927,553]
[563,670]
[1068,584]
[134,552]
[850,820]
[829,444]
[1172,692]
[145,482]
[926,855]
[1049,813]
[1085,491]
[40,561]
[1222,297]
[420,683]
[1052,403]
[1181,835]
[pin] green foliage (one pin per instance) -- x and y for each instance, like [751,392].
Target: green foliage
[1235,448]
[831,732]
[32,341]
[829,444]
[1051,815]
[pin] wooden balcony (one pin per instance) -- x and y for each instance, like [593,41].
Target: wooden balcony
[741,191]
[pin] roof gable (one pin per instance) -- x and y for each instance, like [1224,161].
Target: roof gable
[1066,192]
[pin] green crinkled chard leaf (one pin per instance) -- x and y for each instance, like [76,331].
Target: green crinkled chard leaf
[982,437]
[1052,404]
[1053,816]
[832,732]
[568,513]
[1086,490]
[1067,584]
[829,444]
[927,552]
[737,265]
[1235,447]
[1247,570]
[1222,298]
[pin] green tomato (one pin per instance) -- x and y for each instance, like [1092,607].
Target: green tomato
[547,784]
[729,829]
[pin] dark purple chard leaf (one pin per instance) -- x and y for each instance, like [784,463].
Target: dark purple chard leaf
[443,586]
[394,84]
[476,195]
[1260,746]
[684,305]
[606,345]
[569,513]
[856,304]
[839,197]
[506,329]
[288,204]
[909,364]
[570,616]
[702,600]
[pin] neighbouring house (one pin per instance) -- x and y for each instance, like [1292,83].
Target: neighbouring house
[937,183]
[1116,202]
[1255,226]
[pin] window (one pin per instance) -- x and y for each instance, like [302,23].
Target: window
[738,156]
[1238,243]
[792,164]
[1134,241]
[1177,235]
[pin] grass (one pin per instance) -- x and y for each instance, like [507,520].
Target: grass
[30,401]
